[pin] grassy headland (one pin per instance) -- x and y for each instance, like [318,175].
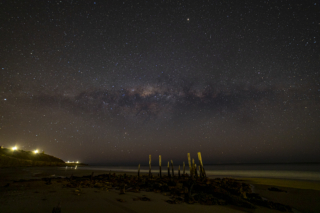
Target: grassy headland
[9,158]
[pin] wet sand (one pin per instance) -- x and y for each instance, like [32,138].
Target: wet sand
[36,196]
[302,195]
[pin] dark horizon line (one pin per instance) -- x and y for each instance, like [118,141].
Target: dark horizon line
[95,164]
[262,163]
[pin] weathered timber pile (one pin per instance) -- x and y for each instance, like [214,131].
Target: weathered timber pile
[203,190]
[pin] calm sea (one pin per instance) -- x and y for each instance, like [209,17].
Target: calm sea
[283,171]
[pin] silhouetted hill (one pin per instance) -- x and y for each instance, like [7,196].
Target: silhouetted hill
[9,157]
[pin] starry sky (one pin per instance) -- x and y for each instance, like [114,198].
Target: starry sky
[110,82]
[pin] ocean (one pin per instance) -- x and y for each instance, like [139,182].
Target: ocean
[303,171]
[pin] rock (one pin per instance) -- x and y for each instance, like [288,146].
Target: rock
[56,209]
[256,199]
[254,196]
[222,202]
[184,189]
[47,180]
[274,189]
[144,199]
[179,185]
[122,189]
[171,201]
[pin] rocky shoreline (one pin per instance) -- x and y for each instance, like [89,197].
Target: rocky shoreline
[183,189]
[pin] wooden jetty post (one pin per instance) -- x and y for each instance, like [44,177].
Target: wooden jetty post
[160,166]
[168,170]
[91,176]
[172,168]
[192,167]
[184,168]
[179,172]
[139,170]
[149,165]
[202,172]
[189,161]
[195,171]
[200,164]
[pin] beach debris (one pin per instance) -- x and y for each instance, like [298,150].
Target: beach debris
[57,209]
[274,189]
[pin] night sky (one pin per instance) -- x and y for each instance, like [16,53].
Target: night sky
[110,82]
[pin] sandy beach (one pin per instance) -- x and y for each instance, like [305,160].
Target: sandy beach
[36,196]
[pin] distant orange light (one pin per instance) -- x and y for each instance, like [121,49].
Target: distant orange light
[14,148]
[36,151]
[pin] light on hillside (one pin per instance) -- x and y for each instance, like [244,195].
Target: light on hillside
[36,151]
[77,161]
[14,148]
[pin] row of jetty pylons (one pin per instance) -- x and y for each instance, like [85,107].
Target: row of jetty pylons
[193,168]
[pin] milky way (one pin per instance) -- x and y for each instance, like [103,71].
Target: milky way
[155,101]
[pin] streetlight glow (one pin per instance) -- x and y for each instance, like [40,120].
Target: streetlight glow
[36,151]
[14,148]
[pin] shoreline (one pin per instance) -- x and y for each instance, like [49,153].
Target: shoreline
[301,195]
[30,172]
